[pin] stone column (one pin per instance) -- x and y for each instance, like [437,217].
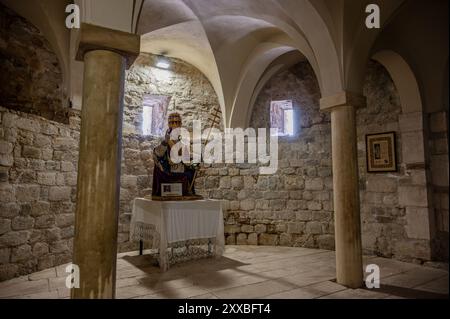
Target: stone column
[106,54]
[349,268]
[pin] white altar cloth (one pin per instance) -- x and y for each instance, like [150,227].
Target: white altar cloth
[162,223]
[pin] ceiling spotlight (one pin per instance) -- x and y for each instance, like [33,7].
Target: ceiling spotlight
[163,63]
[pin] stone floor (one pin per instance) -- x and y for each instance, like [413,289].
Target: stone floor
[244,272]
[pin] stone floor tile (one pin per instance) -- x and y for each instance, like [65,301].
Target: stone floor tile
[355,294]
[205,296]
[23,288]
[307,278]
[132,292]
[180,293]
[158,285]
[326,287]
[13,281]
[63,293]
[134,272]
[124,282]
[389,267]
[61,270]
[439,285]
[393,297]
[298,293]
[216,282]
[243,272]
[414,277]
[44,274]
[257,290]
[283,272]
[57,283]
[40,295]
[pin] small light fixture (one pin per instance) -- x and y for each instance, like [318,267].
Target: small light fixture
[162,63]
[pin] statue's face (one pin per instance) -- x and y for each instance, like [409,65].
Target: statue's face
[174,122]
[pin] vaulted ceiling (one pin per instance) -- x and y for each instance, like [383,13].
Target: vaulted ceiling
[240,44]
[237,43]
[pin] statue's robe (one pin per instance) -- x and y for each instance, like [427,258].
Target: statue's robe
[167,172]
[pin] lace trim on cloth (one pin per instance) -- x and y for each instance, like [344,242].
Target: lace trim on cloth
[178,251]
[191,249]
[147,233]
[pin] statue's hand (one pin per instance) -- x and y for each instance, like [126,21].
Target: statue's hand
[158,164]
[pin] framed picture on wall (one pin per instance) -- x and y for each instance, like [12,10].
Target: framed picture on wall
[381,152]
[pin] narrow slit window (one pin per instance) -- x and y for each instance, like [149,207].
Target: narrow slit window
[154,111]
[282,117]
[289,122]
[147,116]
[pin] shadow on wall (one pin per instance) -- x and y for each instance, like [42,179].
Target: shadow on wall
[29,70]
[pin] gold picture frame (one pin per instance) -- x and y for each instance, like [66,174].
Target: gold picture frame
[381,152]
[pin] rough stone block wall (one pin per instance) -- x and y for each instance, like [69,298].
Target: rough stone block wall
[438,146]
[390,201]
[30,73]
[38,165]
[38,178]
[190,92]
[136,181]
[294,207]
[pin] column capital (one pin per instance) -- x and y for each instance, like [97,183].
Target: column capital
[93,37]
[327,103]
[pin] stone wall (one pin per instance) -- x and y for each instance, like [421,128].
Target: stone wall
[190,94]
[30,74]
[438,146]
[189,91]
[394,204]
[294,207]
[38,164]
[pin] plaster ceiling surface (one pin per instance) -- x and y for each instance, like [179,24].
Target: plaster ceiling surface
[232,42]
[235,43]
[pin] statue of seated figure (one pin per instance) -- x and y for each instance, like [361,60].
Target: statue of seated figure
[165,171]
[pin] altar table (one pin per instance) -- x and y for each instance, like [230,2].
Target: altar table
[169,226]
